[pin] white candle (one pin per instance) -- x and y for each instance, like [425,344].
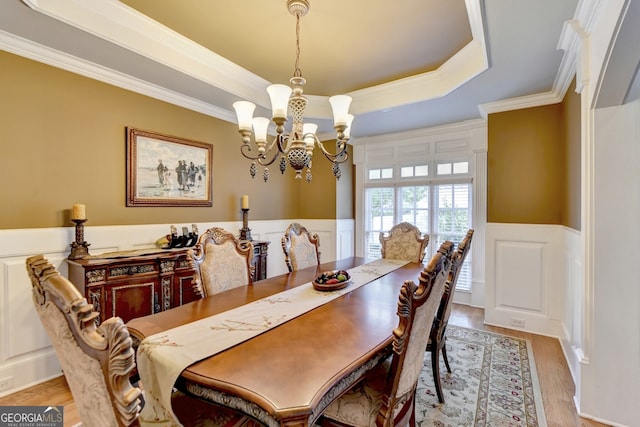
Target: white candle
[78,212]
[245,202]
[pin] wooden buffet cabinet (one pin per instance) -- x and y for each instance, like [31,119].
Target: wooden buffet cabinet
[138,283]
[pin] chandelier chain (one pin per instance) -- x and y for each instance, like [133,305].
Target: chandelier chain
[298,71]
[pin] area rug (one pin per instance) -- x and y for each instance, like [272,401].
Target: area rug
[493,383]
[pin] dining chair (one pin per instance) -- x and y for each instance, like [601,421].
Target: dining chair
[301,248]
[437,337]
[386,395]
[221,262]
[404,241]
[98,360]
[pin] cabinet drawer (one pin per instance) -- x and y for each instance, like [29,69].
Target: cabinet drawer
[116,272]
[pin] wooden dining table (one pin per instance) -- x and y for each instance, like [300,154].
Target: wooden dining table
[289,374]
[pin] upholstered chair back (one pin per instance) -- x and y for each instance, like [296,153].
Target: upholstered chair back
[96,360]
[417,308]
[301,248]
[221,262]
[404,242]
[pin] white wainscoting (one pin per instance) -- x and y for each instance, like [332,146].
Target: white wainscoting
[573,340]
[533,279]
[26,355]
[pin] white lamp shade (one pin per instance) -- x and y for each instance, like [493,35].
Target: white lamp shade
[309,131]
[260,126]
[340,106]
[279,95]
[347,131]
[244,111]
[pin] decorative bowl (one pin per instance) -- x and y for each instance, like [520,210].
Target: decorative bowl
[332,280]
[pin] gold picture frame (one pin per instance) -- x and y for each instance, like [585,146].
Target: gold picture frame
[164,170]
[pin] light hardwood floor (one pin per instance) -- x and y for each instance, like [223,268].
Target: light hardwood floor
[553,373]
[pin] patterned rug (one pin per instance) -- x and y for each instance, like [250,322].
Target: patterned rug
[493,383]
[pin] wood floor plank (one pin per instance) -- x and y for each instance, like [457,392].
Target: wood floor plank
[555,379]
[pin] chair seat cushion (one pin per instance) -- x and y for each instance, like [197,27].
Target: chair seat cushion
[360,405]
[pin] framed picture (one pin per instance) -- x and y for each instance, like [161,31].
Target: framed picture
[165,170]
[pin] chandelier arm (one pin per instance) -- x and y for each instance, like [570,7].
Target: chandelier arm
[260,158]
[283,142]
[341,154]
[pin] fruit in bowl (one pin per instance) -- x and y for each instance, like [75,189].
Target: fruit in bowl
[333,277]
[332,280]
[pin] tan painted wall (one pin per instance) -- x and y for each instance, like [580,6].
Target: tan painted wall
[332,194]
[572,134]
[525,179]
[533,173]
[63,142]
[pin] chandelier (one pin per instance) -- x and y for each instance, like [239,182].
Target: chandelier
[294,148]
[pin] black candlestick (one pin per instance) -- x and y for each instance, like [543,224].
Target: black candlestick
[245,231]
[79,248]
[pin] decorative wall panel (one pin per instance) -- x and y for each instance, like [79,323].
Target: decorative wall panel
[520,275]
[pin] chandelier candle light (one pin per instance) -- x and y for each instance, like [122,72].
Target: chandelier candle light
[296,147]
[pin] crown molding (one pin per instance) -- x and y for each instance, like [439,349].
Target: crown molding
[126,27]
[570,42]
[529,101]
[469,62]
[64,61]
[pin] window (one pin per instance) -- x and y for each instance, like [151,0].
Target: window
[453,168]
[408,171]
[439,206]
[379,208]
[385,173]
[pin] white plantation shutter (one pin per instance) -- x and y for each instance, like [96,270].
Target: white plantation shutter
[453,220]
[379,214]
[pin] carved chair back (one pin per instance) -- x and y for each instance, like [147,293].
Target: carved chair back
[405,242]
[221,262]
[301,248]
[96,360]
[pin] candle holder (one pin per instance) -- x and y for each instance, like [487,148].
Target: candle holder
[245,231]
[79,248]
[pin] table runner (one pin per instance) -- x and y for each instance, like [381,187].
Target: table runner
[163,356]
